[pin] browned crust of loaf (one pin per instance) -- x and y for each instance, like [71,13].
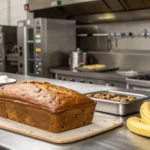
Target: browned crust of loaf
[45,96]
[48,110]
[59,122]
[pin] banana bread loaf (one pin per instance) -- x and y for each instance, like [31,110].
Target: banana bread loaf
[45,106]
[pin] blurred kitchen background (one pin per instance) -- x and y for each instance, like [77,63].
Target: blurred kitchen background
[52,38]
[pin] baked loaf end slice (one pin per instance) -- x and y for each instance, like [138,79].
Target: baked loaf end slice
[45,106]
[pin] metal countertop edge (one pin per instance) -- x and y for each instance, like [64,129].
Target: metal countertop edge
[102,76]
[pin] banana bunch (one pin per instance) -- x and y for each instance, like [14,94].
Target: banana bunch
[141,125]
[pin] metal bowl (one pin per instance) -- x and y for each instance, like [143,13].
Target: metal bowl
[129,73]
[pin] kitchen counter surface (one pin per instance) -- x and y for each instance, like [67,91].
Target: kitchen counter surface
[110,75]
[118,139]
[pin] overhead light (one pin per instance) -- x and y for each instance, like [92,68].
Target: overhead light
[107,16]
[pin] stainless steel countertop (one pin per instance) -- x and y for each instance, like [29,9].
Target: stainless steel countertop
[118,139]
[109,76]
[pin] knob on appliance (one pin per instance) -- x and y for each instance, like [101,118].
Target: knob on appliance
[72,79]
[63,79]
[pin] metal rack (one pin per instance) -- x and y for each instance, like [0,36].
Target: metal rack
[8,49]
[114,35]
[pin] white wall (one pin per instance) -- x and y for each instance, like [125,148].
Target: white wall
[12,11]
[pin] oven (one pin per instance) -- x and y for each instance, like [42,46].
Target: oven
[8,49]
[54,39]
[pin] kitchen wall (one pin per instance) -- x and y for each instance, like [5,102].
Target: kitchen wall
[12,11]
[135,43]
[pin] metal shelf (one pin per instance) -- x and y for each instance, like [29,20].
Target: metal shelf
[12,57]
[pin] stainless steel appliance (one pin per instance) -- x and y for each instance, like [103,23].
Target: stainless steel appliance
[124,60]
[54,39]
[91,11]
[8,50]
[141,82]
[25,45]
[105,78]
[77,58]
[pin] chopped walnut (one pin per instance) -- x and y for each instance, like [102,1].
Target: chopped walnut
[89,95]
[124,99]
[117,98]
[131,98]
[97,96]
[103,97]
[112,94]
[107,96]
[113,97]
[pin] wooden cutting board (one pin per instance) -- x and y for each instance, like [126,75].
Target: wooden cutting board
[99,124]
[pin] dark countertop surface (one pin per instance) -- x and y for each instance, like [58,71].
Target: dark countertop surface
[117,139]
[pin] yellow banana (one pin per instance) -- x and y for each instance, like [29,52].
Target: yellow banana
[145,113]
[144,119]
[135,125]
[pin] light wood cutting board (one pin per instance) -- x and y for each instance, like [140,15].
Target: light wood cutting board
[99,124]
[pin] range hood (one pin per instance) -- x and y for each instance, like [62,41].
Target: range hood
[89,11]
